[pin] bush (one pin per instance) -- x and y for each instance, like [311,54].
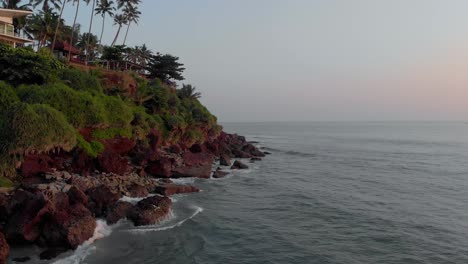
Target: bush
[80,108]
[80,80]
[92,149]
[37,128]
[7,97]
[24,66]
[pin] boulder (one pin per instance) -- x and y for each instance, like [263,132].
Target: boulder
[66,225]
[119,211]
[171,189]
[102,198]
[160,168]
[252,150]
[150,211]
[220,174]
[224,160]
[137,190]
[239,166]
[111,162]
[197,159]
[119,145]
[76,196]
[34,165]
[27,210]
[189,172]
[4,249]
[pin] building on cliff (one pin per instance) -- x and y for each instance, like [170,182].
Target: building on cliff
[7,30]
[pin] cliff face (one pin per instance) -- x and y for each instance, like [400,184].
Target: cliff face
[76,142]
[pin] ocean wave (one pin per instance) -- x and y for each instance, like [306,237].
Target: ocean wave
[184,181]
[162,228]
[102,230]
[134,200]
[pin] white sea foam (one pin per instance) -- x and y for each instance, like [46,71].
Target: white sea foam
[102,230]
[162,228]
[184,181]
[134,200]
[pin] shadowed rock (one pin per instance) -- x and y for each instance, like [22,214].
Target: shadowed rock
[239,166]
[118,211]
[171,189]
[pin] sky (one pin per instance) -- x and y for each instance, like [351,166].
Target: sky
[313,60]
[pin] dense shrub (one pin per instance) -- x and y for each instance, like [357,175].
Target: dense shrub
[80,108]
[24,66]
[7,97]
[80,80]
[38,128]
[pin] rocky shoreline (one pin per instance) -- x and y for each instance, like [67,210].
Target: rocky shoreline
[60,195]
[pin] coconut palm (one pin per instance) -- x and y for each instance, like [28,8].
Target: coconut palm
[119,20]
[104,7]
[46,4]
[133,15]
[89,31]
[62,7]
[41,27]
[123,3]
[188,91]
[74,22]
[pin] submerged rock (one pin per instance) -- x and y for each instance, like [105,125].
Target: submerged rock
[239,166]
[224,160]
[52,253]
[220,174]
[150,211]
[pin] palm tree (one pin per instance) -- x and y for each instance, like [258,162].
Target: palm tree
[74,22]
[105,7]
[62,7]
[123,3]
[41,27]
[133,15]
[89,31]
[119,20]
[46,4]
[188,91]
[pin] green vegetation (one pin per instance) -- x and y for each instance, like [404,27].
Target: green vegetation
[42,111]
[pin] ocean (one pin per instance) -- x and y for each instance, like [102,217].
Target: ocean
[329,193]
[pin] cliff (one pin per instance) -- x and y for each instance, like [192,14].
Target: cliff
[73,142]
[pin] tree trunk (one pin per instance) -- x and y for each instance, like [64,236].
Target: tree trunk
[73,30]
[116,36]
[126,34]
[58,25]
[102,31]
[89,33]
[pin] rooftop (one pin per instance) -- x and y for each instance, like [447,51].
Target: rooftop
[14,12]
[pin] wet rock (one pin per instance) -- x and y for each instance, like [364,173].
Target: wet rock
[102,198]
[267,153]
[52,253]
[136,190]
[225,160]
[252,150]
[171,189]
[4,249]
[255,159]
[239,166]
[118,211]
[220,174]
[189,172]
[150,211]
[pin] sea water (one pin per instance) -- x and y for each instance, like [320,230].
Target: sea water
[329,193]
